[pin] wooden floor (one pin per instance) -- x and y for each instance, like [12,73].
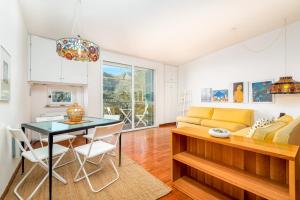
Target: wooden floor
[151,148]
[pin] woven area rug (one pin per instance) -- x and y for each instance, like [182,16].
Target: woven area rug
[134,183]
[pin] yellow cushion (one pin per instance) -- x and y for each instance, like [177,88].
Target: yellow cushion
[221,124]
[200,112]
[243,132]
[192,120]
[184,124]
[290,134]
[267,133]
[240,116]
[286,118]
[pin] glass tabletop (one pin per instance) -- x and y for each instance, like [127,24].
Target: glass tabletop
[56,127]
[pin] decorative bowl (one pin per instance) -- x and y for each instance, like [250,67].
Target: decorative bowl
[75,112]
[219,132]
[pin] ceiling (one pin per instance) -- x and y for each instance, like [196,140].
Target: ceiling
[169,31]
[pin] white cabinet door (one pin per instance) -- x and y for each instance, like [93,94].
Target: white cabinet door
[74,72]
[45,63]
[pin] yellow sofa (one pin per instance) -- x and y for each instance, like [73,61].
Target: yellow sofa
[284,130]
[229,118]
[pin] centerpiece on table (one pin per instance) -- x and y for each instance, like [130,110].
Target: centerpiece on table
[75,114]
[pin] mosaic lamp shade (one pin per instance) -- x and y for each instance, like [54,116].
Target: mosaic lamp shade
[77,49]
[285,85]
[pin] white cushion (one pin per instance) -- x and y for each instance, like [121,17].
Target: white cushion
[60,138]
[98,148]
[42,153]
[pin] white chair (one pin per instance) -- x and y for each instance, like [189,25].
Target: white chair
[37,156]
[58,138]
[98,148]
[141,117]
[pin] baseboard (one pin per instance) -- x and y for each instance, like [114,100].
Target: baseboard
[11,181]
[167,124]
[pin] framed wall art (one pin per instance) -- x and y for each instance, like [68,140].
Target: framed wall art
[259,92]
[4,75]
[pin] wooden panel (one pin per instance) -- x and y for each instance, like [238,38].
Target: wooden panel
[278,170]
[197,191]
[283,151]
[292,180]
[260,186]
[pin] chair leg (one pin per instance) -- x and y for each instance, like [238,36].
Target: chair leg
[22,180]
[86,175]
[55,174]
[96,163]
[70,161]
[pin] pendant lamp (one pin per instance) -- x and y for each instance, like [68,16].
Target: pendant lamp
[285,84]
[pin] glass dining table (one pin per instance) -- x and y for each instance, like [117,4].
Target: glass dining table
[51,128]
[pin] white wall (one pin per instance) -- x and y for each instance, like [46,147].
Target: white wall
[94,87]
[13,36]
[238,63]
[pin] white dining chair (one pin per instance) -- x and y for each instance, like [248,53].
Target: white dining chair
[58,138]
[142,116]
[37,156]
[98,148]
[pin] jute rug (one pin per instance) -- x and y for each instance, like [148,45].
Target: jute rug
[134,183]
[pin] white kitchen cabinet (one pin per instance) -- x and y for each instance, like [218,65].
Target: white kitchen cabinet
[45,65]
[74,72]
[48,67]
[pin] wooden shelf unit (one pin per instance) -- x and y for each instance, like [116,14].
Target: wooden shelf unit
[237,167]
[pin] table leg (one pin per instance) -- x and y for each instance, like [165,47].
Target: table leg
[23,163]
[120,150]
[50,148]
[86,132]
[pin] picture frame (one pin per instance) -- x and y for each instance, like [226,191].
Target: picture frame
[58,96]
[5,68]
[206,95]
[220,96]
[259,91]
[239,92]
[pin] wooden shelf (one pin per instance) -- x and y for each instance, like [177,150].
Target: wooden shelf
[252,183]
[197,190]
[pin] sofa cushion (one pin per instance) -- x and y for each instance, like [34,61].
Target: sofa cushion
[184,124]
[222,124]
[267,133]
[243,132]
[200,112]
[192,120]
[240,116]
[286,118]
[289,134]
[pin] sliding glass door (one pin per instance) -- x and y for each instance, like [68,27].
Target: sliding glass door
[120,84]
[143,97]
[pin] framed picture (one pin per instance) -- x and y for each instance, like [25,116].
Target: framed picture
[240,92]
[220,95]
[206,94]
[259,91]
[4,75]
[59,97]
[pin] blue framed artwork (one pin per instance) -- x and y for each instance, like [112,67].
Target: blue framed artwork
[220,95]
[260,92]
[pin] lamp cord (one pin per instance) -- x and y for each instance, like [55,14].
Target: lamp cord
[77,11]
